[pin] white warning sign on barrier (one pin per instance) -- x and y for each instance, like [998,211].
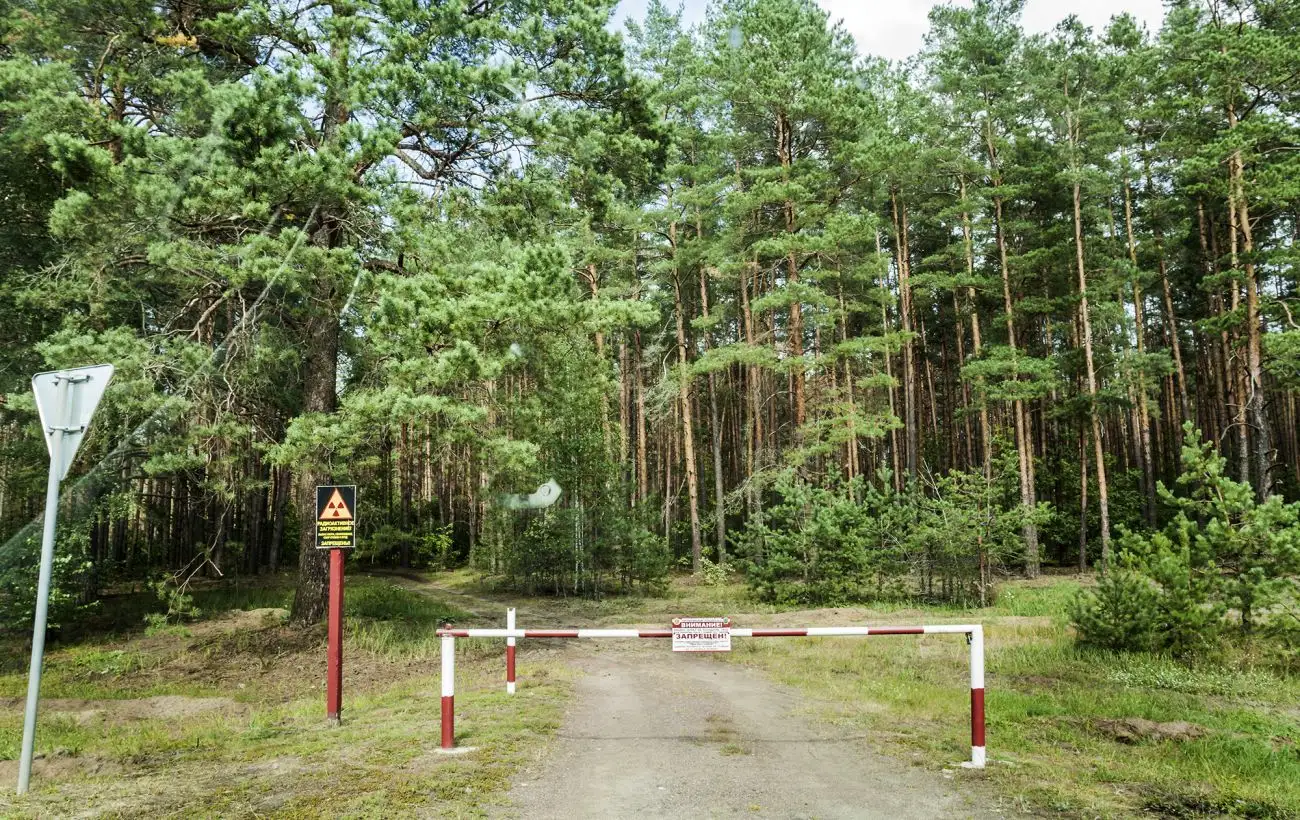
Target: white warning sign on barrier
[701,634]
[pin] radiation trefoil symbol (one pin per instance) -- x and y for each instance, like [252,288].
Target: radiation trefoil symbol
[335,509]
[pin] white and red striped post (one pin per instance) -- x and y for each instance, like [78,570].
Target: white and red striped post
[510,652]
[448,688]
[977,751]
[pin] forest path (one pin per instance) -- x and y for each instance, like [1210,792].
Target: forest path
[489,611]
[655,734]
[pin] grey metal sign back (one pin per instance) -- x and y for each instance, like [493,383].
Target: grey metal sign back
[544,496]
[65,413]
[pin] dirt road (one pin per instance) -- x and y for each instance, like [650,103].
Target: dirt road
[657,735]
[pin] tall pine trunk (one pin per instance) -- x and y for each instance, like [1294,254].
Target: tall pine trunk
[1145,459]
[1103,498]
[1236,372]
[905,317]
[642,448]
[1262,452]
[785,152]
[320,374]
[321,348]
[1024,448]
[754,447]
[986,442]
[715,428]
[684,399]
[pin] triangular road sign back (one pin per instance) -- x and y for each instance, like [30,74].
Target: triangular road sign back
[70,417]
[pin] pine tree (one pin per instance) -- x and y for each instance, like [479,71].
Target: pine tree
[974,54]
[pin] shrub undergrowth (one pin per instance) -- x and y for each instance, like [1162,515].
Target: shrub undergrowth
[1223,569]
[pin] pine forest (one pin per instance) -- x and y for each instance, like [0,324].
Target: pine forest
[758,303]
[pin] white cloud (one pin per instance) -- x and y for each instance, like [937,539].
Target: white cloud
[894,29]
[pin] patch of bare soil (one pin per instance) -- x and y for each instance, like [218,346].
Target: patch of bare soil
[1137,730]
[239,620]
[653,734]
[60,766]
[278,664]
[269,663]
[278,766]
[162,707]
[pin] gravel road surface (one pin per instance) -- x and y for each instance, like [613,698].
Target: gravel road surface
[652,734]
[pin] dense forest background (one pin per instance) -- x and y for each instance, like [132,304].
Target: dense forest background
[750,298]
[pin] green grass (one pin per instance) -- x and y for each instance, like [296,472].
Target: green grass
[1036,600]
[244,596]
[267,751]
[264,748]
[1047,703]
[1048,700]
[287,761]
[380,600]
[391,621]
[1164,673]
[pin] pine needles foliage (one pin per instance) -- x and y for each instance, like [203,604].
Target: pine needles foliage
[1222,567]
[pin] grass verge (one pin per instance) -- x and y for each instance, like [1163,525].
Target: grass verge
[1066,730]
[225,717]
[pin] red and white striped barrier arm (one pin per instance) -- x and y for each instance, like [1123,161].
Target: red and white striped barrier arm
[736,632]
[974,634]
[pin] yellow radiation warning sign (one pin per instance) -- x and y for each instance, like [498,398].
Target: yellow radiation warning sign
[336,517]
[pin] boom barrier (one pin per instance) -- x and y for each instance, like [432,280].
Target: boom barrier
[974,637]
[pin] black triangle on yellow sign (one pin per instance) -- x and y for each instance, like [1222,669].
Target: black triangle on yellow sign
[336,509]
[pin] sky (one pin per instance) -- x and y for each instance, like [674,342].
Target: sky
[894,28]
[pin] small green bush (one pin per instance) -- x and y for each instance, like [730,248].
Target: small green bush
[715,575]
[431,548]
[1119,614]
[578,550]
[1223,563]
[71,584]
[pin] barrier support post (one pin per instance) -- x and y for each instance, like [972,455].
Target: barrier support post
[448,691]
[977,750]
[510,652]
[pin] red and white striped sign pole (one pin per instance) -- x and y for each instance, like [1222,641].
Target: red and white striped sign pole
[974,635]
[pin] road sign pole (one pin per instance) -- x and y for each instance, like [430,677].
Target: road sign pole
[65,401]
[334,664]
[59,419]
